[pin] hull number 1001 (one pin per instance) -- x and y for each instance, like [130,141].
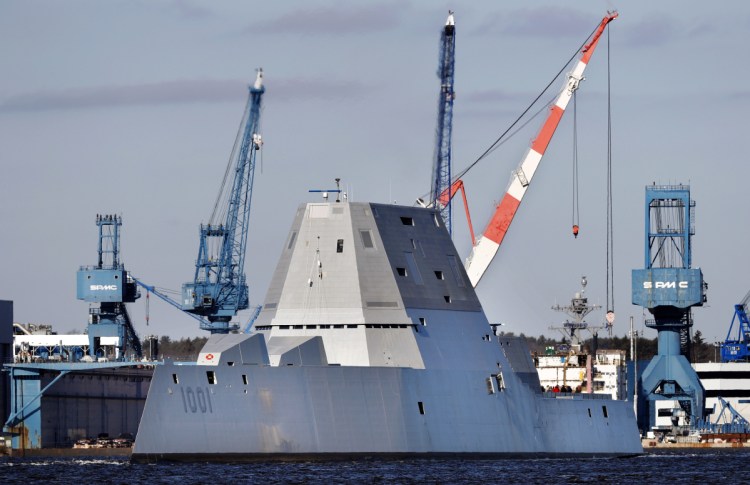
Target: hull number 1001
[198,400]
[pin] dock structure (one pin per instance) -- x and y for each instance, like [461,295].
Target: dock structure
[55,404]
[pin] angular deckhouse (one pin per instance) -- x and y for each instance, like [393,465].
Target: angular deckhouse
[371,341]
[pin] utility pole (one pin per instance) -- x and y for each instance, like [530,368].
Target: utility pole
[634,358]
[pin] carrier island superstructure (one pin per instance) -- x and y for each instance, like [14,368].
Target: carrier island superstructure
[371,341]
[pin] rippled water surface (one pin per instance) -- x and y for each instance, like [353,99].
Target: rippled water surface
[688,466]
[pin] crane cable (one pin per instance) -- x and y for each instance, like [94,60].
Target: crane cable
[610,237]
[221,205]
[575,165]
[148,311]
[502,136]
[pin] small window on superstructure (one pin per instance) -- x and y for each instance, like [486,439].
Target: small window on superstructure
[291,240]
[211,375]
[366,236]
[439,275]
[175,379]
[401,271]
[340,246]
[490,386]
[453,264]
[423,321]
[407,221]
[420,405]
[604,411]
[244,379]
[500,381]
[447,298]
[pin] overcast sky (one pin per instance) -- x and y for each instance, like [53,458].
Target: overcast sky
[131,107]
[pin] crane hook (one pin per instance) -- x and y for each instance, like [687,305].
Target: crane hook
[575,231]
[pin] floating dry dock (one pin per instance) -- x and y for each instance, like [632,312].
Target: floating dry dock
[55,404]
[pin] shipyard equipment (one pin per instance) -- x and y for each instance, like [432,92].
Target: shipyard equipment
[442,191]
[219,289]
[441,182]
[726,421]
[108,287]
[578,309]
[486,247]
[737,348]
[166,298]
[669,287]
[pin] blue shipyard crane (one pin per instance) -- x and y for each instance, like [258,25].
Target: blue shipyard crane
[441,169]
[219,288]
[669,287]
[108,287]
[737,349]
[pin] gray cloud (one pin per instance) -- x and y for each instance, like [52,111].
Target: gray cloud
[650,32]
[174,92]
[488,96]
[703,29]
[190,9]
[541,22]
[333,20]
[657,32]
[304,88]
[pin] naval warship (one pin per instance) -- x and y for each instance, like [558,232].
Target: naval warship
[371,342]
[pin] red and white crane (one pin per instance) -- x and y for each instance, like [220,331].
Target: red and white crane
[483,252]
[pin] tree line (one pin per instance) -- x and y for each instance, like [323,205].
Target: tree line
[701,350]
[187,349]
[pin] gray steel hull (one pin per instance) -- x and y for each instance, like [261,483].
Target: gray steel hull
[331,411]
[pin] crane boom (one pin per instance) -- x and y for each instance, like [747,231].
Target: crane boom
[219,289]
[485,249]
[164,297]
[442,166]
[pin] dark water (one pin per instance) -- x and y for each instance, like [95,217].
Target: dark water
[693,466]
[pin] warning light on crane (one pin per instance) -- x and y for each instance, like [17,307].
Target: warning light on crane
[575,230]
